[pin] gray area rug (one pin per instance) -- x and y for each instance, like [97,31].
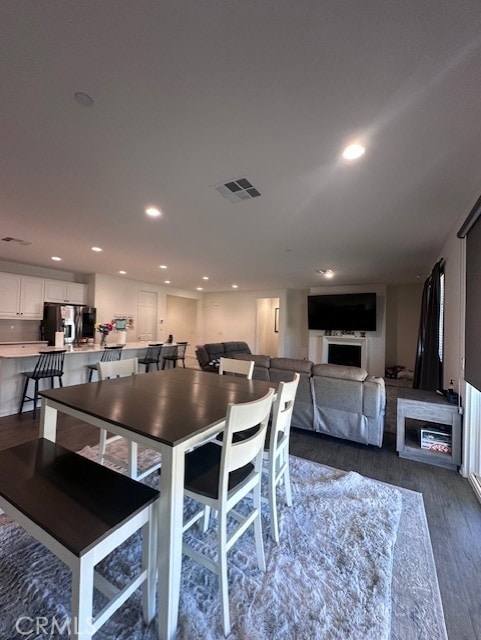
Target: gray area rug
[355,562]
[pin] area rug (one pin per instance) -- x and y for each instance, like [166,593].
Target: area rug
[355,562]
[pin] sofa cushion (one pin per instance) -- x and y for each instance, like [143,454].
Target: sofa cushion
[261,364]
[215,350]
[283,369]
[232,348]
[339,371]
[259,360]
[291,364]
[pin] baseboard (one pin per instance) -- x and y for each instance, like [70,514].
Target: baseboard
[475,482]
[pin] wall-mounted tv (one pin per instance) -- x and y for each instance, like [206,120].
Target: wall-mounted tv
[342,312]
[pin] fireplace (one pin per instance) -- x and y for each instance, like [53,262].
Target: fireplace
[347,354]
[348,350]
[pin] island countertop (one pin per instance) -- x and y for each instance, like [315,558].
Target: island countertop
[31,349]
[15,359]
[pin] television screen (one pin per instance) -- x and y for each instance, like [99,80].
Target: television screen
[342,312]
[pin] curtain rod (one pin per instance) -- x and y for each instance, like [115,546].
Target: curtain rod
[471,220]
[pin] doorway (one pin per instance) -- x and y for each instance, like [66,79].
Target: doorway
[267,326]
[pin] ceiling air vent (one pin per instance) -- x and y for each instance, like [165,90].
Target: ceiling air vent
[238,189]
[24,243]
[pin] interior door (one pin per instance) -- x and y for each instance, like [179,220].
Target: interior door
[147,324]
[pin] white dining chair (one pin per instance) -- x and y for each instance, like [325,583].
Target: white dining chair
[120,369]
[276,449]
[219,476]
[238,367]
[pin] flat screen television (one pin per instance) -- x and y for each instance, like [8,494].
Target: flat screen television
[342,312]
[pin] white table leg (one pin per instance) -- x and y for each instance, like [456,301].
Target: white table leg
[170,539]
[48,421]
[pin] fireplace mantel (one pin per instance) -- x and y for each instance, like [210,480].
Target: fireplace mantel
[351,340]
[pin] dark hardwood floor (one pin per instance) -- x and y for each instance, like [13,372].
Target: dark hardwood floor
[453,512]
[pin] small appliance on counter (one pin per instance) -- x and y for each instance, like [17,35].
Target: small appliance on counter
[77,322]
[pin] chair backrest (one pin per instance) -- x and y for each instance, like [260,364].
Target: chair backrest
[112,353]
[170,351]
[239,453]
[118,368]
[49,363]
[153,352]
[181,347]
[239,367]
[282,410]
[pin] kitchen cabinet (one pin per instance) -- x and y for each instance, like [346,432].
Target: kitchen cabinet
[68,292]
[21,297]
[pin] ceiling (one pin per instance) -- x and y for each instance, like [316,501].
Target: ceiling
[189,94]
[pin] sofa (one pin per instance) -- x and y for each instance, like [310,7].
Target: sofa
[208,355]
[336,400]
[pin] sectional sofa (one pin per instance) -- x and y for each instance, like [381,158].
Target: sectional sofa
[336,400]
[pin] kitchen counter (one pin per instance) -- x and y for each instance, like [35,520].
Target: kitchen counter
[18,342]
[30,349]
[17,358]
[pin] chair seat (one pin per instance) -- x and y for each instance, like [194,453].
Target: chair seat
[44,374]
[202,467]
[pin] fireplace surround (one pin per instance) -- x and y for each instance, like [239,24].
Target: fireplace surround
[348,350]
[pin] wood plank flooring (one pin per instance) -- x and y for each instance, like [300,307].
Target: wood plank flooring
[453,512]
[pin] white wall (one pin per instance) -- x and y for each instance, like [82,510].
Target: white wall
[233,316]
[42,272]
[376,359]
[403,310]
[114,295]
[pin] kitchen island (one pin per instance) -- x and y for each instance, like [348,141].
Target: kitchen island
[15,358]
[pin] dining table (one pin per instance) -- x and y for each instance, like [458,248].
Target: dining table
[168,411]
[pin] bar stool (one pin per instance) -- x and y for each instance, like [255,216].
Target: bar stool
[49,365]
[173,354]
[110,354]
[151,357]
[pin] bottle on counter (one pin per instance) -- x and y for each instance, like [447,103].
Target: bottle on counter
[170,339]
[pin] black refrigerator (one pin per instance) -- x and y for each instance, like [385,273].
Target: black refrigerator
[76,321]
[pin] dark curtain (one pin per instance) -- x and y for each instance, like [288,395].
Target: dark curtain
[428,372]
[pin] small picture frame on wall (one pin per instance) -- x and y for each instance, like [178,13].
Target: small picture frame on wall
[276,320]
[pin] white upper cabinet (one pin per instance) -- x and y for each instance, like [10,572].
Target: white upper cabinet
[68,292]
[21,297]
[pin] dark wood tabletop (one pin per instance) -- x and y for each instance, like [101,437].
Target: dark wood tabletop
[167,406]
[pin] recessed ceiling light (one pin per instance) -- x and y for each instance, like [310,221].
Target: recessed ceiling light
[152,212]
[205,277]
[200,288]
[84,99]
[327,273]
[166,281]
[234,286]
[162,266]
[98,249]
[123,273]
[353,151]
[56,258]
